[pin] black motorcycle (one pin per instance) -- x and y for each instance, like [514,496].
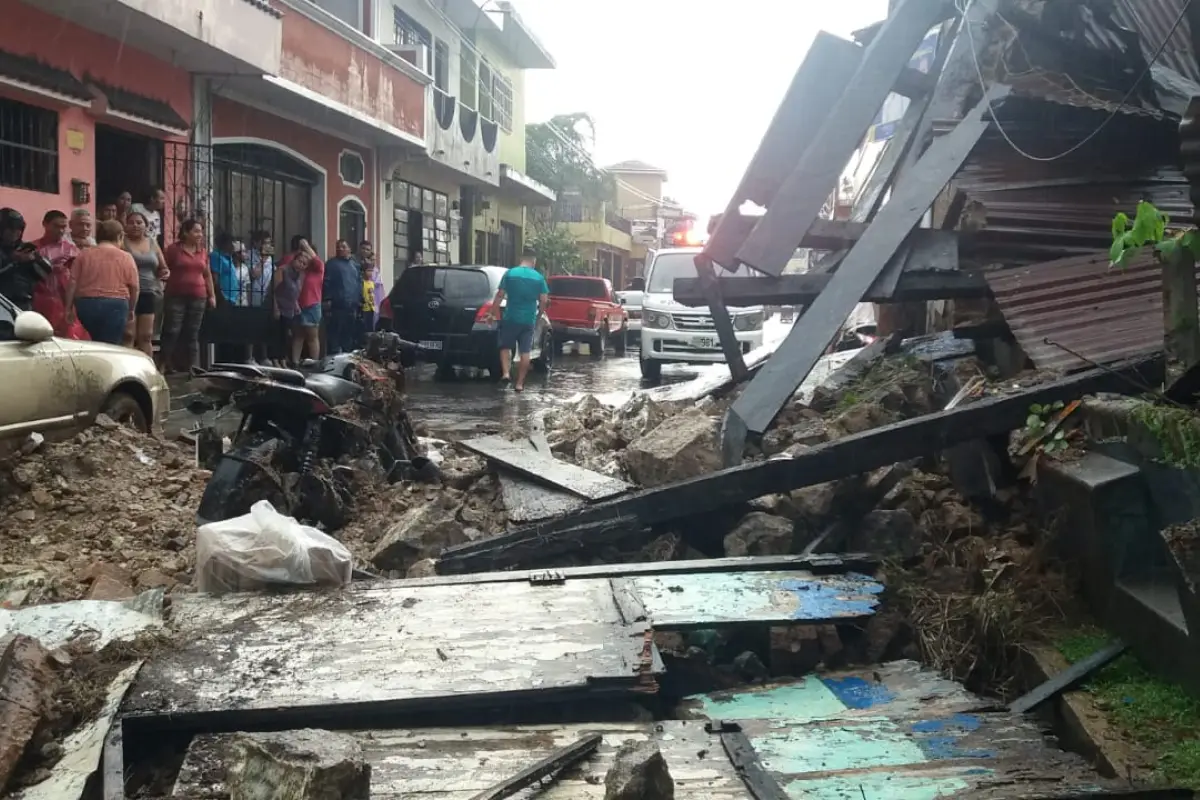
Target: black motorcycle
[305,434]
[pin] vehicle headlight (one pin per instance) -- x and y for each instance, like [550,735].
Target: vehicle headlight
[657,319]
[749,322]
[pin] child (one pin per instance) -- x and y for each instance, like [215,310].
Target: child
[366,317]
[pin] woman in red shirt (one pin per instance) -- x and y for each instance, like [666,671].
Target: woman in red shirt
[188,291]
[307,334]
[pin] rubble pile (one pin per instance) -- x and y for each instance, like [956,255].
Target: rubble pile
[103,515]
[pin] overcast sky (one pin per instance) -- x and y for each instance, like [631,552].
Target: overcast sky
[686,85]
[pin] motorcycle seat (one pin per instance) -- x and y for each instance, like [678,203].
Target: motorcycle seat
[333,390]
[284,375]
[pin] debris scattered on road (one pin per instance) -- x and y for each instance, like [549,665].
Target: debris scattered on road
[300,765]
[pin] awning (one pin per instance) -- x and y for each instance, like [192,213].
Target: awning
[31,75]
[524,188]
[141,110]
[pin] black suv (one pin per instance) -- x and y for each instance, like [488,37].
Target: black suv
[444,309]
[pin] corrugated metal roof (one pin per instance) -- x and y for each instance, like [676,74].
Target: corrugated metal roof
[1152,19]
[1103,313]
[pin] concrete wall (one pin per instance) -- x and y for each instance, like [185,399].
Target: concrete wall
[630,204]
[81,51]
[235,26]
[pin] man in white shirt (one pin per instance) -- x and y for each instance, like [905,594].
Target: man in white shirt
[152,211]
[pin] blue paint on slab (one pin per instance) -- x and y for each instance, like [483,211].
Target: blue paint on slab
[853,596]
[865,745]
[805,701]
[939,738]
[859,693]
[876,786]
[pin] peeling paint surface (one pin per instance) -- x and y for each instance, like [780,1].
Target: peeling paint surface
[921,744]
[732,597]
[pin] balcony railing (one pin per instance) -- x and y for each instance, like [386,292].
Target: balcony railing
[618,222]
[581,212]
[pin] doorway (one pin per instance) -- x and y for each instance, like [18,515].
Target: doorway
[126,162]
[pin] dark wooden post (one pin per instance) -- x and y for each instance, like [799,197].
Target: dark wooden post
[1180,310]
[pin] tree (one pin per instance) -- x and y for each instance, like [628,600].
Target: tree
[555,248]
[558,155]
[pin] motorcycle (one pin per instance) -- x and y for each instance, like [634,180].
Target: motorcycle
[305,433]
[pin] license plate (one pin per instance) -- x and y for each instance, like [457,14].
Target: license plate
[707,343]
[431,345]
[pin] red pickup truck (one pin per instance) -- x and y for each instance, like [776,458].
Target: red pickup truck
[583,309]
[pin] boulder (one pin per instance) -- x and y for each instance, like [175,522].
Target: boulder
[638,417]
[425,568]
[812,502]
[683,446]
[887,533]
[760,534]
[27,687]
[298,765]
[106,587]
[421,532]
[858,418]
[639,772]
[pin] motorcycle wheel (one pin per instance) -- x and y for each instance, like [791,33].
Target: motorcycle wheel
[237,483]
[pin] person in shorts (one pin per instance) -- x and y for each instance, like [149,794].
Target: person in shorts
[527,295]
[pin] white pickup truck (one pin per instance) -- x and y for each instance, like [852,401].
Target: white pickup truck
[631,300]
[675,333]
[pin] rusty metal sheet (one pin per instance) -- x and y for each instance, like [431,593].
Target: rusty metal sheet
[1103,313]
[1152,19]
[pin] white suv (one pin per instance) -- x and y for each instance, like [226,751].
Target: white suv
[675,333]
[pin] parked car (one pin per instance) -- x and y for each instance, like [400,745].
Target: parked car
[675,333]
[445,311]
[62,385]
[631,299]
[583,309]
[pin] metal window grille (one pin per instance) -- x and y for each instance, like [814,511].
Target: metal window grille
[28,147]
[487,108]
[502,99]
[468,68]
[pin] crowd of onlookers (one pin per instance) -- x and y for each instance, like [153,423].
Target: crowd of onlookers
[117,279]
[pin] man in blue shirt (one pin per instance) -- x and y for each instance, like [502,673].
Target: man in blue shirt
[527,295]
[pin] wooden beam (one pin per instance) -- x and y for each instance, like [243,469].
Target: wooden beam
[914,84]
[1068,678]
[792,290]
[779,378]
[535,545]
[800,199]
[707,275]
[821,80]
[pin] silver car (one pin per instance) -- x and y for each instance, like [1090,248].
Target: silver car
[52,384]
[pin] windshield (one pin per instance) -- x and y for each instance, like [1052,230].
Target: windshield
[668,267]
[589,288]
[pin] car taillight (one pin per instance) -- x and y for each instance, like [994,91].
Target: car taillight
[592,313]
[484,310]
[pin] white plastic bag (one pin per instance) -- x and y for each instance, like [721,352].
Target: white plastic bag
[265,548]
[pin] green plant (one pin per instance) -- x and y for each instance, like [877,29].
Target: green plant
[556,249]
[1176,431]
[1037,426]
[557,154]
[1150,227]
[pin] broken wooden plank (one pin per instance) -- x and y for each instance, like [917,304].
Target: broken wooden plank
[851,455]
[746,763]
[764,396]
[554,763]
[821,80]
[770,245]
[528,462]
[722,320]
[1067,679]
[803,289]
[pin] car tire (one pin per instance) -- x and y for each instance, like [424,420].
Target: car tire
[621,343]
[124,409]
[651,370]
[599,343]
[545,361]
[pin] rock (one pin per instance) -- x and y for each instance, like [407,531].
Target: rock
[154,579]
[106,422]
[100,569]
[890,534]
[106,588]
[298,765]
[638,417]
[760,534]
[750,666]
[32,442]
[813,502]
[794,650]
[425,568]
[421,532]
[25,515]
[858,418]
[683,446]
[27,687]
[639,772]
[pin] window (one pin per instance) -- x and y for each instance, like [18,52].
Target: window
[466,84]
[410,33]
[486,107]
[28,147]
[502,99]
[451,284]
[441,66]
[351,169]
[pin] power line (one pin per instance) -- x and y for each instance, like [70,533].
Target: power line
[636,192]
[964,6]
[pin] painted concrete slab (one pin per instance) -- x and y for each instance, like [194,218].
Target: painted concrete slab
[913,739]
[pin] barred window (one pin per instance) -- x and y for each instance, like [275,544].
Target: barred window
[486,106]
[28,147]
[502,99]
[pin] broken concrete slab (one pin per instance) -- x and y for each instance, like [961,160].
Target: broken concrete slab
[27,685]
[544,468]
[683,446]
[421,532]
[639,772]
[298,765]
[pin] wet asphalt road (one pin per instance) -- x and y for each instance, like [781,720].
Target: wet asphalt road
[470,404]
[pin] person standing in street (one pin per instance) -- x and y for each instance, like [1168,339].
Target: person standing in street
[50,296]
[306,338]
[153,209]
[189,291]
[527,295]
[341,299]
[81,228]
[152,272]
[104,286]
